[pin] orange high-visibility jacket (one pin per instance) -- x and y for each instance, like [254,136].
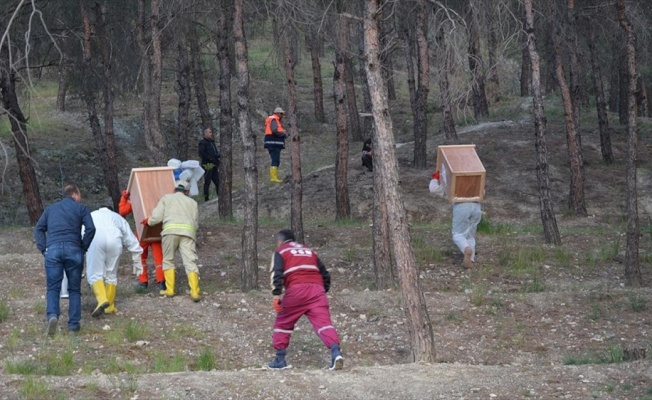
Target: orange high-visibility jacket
[268,125]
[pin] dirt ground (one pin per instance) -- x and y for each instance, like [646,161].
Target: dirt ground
[529,321]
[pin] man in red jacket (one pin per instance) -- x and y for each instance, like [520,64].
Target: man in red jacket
[124,209]
[299,270]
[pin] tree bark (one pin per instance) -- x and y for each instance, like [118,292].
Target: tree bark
[492,45]
[632,262]
[19,136]
[351,100]
[197,79]
[318,86]
[111,168]
[342,205]
[600,103]
[576,194]
[386,166]
[184,93]
[548,220]
[423,87]
[526,66]
[386,55]
[385,273]
[476,65]
[249,276]
[293,134]
[367,122]
[225,203]
[641,97]
[444,86]
[146,77]
[623,90]
[158,141]
[614,75]
[577,90]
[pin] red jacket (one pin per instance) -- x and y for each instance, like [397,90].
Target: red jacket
[295,263]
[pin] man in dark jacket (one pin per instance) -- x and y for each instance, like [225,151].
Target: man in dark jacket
[210,161]
[298,269]
[58,235]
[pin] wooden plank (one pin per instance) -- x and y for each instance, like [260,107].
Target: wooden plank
[146,187]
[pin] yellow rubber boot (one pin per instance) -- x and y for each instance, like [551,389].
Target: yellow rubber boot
[111,290]
[273,175]
[193,282]
[100,294]
[170,277]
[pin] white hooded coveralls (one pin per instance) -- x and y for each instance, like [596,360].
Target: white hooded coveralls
[103,256]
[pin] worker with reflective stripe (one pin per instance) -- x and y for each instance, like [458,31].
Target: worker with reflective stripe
[179,216]
[275,141]
[299,270]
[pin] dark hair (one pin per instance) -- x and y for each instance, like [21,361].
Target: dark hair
[285,235]
[70,189]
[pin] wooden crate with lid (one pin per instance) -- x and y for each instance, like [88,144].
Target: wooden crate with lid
[461,173]
[146,187]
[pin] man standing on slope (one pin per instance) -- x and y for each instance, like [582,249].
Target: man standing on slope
[103,257]
[275,141]
[299,270]
[179,215]
[58,236]
[210,162]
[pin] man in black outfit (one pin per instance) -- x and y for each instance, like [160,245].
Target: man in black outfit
[367,155]
[210,161]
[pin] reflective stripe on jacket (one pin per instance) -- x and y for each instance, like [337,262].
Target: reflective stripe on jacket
[178,213]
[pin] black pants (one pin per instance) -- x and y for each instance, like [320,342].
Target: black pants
[211,175]
[275,155]
[367,161]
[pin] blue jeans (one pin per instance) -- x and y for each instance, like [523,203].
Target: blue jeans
[60,258]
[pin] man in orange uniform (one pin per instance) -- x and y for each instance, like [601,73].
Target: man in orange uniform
[275,142]
[124,209]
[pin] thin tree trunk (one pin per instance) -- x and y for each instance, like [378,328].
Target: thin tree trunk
[623,90]
[492,45]
[410,43]
[614,75]
[146,77]
[367,122]
[293,133]
[444,87]
[641,96]
[526,67]
[576,194]
[600,103]
[351,100]
[386,166]
[548,220]
[632,262]
[386,57]
[18,123]
[184,92]
[478,90]
[423,86]
[342,205]
[225,203]
[318,86]
[577,90]
[250,229]
[197,78]
[111,168]
[155,96]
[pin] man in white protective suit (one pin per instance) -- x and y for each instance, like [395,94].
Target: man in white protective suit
[103,257]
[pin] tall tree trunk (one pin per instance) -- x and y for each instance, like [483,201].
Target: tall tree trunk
[367,122]
[614,75]
[111,168]
[548,220]
[293,133]
[250,229]
[526,66]
[160,155]
[444,86]
[146,75]
[225,203]
[386,52]
[18,123]
[576,194]
[342,205]
[623,90]
[386,166]
[492,45]
[423,87]
[184,92]
[318,86]
[577,90]
[62,88]
[197,78]
[410,43]
[385,273]
[600,103]
[351,100]
[632,262]
[641,96]
[478,91]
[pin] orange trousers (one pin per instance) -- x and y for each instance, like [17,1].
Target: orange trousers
[157,254]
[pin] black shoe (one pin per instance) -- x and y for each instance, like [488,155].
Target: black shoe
[142,285]
[161,286]
[205,198]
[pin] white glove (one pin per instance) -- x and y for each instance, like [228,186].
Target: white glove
[138,268]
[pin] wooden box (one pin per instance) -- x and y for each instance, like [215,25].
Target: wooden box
[146,187]
[461,173]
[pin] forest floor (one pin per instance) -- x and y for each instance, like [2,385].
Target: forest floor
[529,321]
